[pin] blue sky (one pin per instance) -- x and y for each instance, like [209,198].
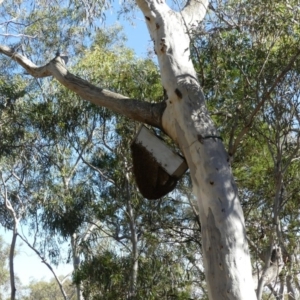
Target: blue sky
[136,31]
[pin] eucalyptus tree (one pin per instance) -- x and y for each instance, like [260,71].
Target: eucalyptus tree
[184,117]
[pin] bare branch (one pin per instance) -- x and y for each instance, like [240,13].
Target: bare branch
[145,112]
[30,67]
[90,230]
[221,113]
[80,152]
[18,35]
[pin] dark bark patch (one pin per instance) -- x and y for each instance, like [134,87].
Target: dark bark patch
[211,183]
[147,18]
[200,138]
[157,26]
[178,93]
[163,44]
[165,94]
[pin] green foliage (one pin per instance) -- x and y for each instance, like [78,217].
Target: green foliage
[116,68]
[48,290]
[47,26]
[106,277]
[12,131]
[65,213]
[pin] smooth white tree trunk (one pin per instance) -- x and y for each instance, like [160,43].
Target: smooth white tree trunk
[185,119]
